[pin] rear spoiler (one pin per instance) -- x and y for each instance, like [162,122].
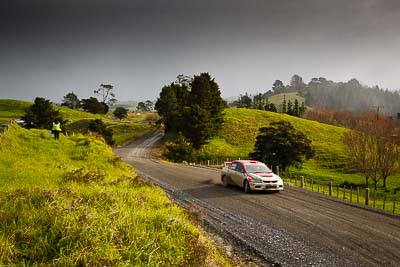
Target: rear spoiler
[227,163]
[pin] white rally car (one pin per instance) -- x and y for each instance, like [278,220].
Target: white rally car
[250,175]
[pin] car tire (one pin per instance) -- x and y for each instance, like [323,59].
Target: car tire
[225,181]
[246,187]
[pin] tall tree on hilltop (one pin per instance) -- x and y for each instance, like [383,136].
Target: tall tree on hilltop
[278,87]
[296,84]
[105,91]
[92,105]
[72,101]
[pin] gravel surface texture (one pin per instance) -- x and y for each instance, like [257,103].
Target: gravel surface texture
[291,228]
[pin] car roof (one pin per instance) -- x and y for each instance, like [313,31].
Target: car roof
[248,162]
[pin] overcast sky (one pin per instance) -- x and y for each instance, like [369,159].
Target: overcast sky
[49,48]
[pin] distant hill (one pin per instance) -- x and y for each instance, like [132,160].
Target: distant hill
[126,104]
[277,99]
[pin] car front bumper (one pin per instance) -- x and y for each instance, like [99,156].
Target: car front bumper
[266,187]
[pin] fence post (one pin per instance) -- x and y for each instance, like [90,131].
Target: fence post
[367,196]
[302,181]
[330,188]
[384,200]
[323,189]
[351,193]
[374,197]
[358,195]
[208,162]
[318,186]
[394,203]
[312,184]
[344,191]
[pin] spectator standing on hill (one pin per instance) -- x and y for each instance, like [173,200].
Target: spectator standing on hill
[56,129]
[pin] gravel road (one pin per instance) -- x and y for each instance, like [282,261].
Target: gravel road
[291,228]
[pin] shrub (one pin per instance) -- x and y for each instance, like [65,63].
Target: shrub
[120,113]
[98,126]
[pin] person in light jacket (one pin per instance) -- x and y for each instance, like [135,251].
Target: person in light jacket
[56,129]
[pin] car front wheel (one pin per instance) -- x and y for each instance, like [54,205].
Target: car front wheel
[246,187]
[225,181]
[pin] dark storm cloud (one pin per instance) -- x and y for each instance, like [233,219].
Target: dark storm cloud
[53,47]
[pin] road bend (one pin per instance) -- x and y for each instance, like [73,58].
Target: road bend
[294,227]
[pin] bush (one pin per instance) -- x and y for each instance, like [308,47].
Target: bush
[120,113]
[180,150]
[98,126]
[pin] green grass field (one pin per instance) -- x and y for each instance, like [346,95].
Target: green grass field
[73,202]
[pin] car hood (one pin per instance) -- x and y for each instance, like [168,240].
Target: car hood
[265,176]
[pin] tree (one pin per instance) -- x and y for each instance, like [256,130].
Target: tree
[278,87]
[205,110]
[290,108]
[281,145]
[92,105]
[284,105]
[196,113]
[173,98]
[271,107]
[145,106]
[141,106]
[106,94]
[41,114]
[371,147]
[296,83]
[120,113]
[244,101]
[71,100]
[149,105]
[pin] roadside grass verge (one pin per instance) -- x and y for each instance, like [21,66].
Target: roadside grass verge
[74,202]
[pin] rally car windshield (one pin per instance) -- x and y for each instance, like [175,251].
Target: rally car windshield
[257,168]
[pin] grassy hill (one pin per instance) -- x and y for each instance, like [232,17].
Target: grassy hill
[77,120]
[15,109]
[278,99]
[12,109]
[73,202]
[240,130]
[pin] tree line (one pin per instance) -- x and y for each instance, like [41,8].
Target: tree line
[261,102]
[351,96]
[323,93]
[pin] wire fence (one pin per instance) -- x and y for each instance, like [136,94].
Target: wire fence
[379,199]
